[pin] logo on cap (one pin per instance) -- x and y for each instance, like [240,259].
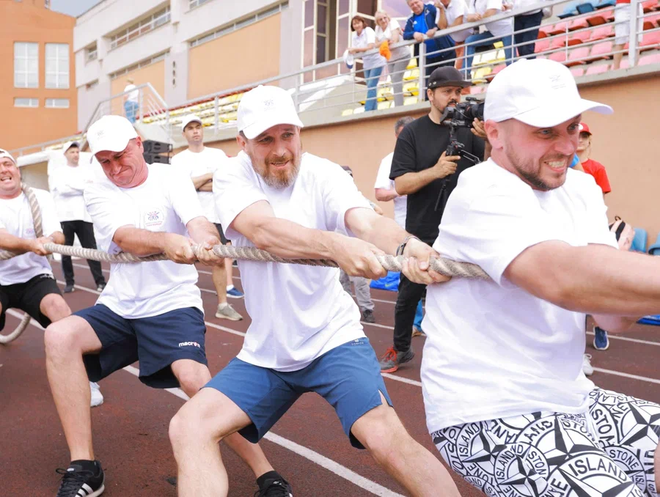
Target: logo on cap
[557,81]
[269,103]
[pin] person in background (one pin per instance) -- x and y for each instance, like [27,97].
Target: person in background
[131,100]
[200,162]
[67,185]
[388,29]
[453,13]
[421,27]
[501,30]
[385,191]
[622,29]
[530,22]
[364,40]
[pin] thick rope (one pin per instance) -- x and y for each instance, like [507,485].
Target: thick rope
[443,266]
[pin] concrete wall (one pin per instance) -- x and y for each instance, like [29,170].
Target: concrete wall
[154,74]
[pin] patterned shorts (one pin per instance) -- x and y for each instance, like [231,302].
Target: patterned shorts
[607,451]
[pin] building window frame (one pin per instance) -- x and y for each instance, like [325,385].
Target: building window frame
[141,27]
[57,66]
[57,103]
[26,102]
[26,64]
[91,53]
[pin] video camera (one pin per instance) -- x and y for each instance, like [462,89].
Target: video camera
[461,116]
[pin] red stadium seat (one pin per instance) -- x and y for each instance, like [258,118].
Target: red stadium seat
[559,28]
[544,31]
[558,56]
[651,22]
[541,45]
[602,17]
[578,24]
[649,59]
[650,41]
[650,5]
[578,56]
[597,69]
[558,42]
[625,63]
[602,32]
[579,38]
[577,72]
[602,50]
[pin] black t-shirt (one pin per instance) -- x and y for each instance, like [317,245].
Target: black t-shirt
[419,146]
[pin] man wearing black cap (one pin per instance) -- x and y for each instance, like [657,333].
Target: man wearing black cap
[422,170]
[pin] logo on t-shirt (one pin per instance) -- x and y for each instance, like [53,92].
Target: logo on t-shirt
[29,232]
[154,218]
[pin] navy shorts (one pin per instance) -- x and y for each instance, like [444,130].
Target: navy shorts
[27,297]
[156,342]
[348,377]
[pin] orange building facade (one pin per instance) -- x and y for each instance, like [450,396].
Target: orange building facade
[37,81]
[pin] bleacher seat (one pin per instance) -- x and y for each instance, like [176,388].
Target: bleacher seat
[650,41]
[559,28]
[597,69]
[602,50]
[577,72]
[578,56]
[558,56]
[558,42]
[602,32]
[579,38]
[649,59]
[601,4]
[541,45]
[602,17]
[650,5]
[578,24]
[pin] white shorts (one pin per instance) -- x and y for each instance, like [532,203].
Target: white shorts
[622,23]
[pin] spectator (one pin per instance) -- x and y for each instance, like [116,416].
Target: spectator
[421,26]
[364,40]
[501,30]
[200,163]
[67,185]
[530,22]
[590,166]
[452,13]
[385,191]
[422,170]
[388,29]
[131,100]
[622,29]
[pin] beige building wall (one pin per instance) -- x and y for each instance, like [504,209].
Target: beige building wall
[154,74]
[230,60]
[626,144]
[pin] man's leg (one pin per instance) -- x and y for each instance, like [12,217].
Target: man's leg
[224,310]
[67,266]
[363,293]
[54,307]
[85,232]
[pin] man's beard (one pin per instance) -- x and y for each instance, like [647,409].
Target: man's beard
[532,177]
[279,179]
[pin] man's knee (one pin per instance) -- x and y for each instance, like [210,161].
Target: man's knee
[70,336]
[381,432]
[54,307]
[191,375]
[198,422]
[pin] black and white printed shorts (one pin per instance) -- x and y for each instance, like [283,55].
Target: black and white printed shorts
[607,451]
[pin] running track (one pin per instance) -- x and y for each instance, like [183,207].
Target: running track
[307,446]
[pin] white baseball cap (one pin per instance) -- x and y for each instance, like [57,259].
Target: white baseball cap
[264,107]
[70,144]
[349,60]
[540,92]
[190,118]
[4,153]
[110,133]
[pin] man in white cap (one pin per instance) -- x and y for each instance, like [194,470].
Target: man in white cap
[67,184]
[151,311]
[507,403]
[305,334]
[200,162]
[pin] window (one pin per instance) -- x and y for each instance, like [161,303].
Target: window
[140,28]
[57,65]
[57,103]
[26,102]
[91,53]
[238,24]
[26,65]
[197,3]
[139,65]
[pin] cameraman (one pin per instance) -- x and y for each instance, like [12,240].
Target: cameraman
[422,170]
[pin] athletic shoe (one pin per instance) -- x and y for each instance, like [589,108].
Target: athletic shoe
[587,368]
[235,293]
[273,485]
[225,311]
[100,287]
[417,332]
[79,482]
[97,396]
[393,359]
[601,342]
[368,316]
[69,288]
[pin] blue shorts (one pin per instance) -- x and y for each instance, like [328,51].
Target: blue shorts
[348,377]
[156,342]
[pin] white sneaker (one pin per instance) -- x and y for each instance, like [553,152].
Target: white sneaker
[226,311]
[587,368]
[97,396]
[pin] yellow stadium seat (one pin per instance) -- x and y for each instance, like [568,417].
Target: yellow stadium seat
[411,88]
[412,63]
[411,74]
[409,100]
[346,112]
[385,105]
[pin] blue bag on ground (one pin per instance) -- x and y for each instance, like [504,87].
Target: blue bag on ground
[389,282]
[655,320]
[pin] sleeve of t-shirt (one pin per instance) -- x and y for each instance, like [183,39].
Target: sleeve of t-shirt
[371,36]
[494,4]
[461,8]
[383,177]
[339,194]
[602,180]
[403,160]
[394,26]
[234,190]
[108,214]
[598,231]
[491,229]
[183,197]
[49,222]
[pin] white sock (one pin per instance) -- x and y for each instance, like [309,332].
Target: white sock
[230,287]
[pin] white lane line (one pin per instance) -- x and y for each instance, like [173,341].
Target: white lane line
[628,339]
[627,375]
[402,379]
[301,450]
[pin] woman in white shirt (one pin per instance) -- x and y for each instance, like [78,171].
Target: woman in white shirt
[364,40]
[389,30]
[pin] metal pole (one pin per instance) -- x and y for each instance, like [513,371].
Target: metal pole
[216,113]
[421,65]
[634,20]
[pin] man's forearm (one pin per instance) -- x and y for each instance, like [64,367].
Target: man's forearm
[206,187]
[140,242]
[383,232]
[413,182]
[14,243]
[201,230]
[385,194]
[199,181]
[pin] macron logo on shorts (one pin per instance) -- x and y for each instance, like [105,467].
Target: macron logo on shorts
[190,344]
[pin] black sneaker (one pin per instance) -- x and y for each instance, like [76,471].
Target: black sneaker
[273,485]
[79,482]
[368,316]
[69,288]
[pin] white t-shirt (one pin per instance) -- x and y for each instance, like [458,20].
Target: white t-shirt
[383,181]
[165,202]
[16,218]
[67,185]
[199,164]
[298,312]
[363,41]
[133,96]
[493,350]
[499,28]
[456,9]
[381,36]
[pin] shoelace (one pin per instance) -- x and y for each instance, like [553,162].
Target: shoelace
[71,481]
[276,488]
[390,355]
